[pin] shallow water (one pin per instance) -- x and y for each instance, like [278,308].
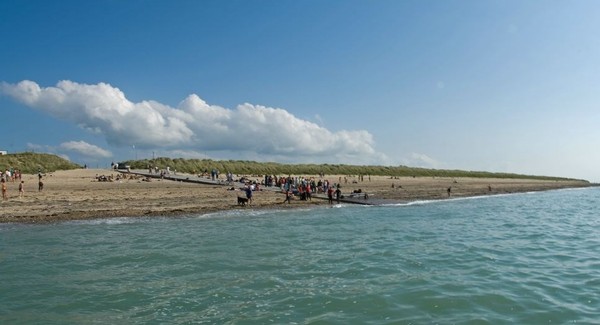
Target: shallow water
[526,258]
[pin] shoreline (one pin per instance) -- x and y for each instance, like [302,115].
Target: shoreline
[78,195]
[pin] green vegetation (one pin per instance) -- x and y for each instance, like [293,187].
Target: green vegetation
[31,163]
[241,167]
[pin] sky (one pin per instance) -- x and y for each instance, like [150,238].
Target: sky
[499,86]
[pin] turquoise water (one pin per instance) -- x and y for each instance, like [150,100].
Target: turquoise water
[515,259]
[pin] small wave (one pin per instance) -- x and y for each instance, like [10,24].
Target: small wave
[248,213]
[454,199]
[112,221]
[418,202]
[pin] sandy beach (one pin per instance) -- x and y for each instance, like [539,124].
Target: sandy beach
[77,194]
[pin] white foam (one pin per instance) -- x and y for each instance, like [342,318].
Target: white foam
[454,199]
[115,221]
[236,213]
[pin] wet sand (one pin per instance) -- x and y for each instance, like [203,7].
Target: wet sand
[77,194]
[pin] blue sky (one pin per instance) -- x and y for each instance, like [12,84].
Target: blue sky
[501,86]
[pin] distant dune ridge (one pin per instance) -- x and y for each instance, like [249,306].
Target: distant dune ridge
[29,162]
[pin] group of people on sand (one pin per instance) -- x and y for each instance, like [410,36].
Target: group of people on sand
[304,191]
[11,175]
[305,187]
[298,186]
[113,178]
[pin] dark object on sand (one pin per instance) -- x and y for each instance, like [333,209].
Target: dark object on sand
[242,200]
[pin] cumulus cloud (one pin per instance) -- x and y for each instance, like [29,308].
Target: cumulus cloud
[78,148]
[103,109]
[422,160]
[85,149]
[192,126]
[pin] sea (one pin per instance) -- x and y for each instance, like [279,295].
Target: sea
[530,258]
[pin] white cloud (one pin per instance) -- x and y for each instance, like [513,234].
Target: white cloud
[422,160]
[79,148]
[85,149]
[194,125]
[103,109]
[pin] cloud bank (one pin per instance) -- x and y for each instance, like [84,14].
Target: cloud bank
[85,149]
[422,160]
[192,126]
[80,148]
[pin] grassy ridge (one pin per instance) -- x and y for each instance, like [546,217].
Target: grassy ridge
[270,168]
[31,163]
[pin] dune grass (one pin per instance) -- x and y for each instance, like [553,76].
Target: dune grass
[243,167]
[32,163]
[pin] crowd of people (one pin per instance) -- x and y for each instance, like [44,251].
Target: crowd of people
[293,186]
[300,187]
[304,187]
[113,178]
[11,175]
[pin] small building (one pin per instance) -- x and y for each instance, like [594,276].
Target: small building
[2,153]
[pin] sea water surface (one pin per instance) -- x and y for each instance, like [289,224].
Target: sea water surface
[517,259]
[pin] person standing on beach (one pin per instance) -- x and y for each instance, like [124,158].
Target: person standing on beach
[288,196]
[40,183]
[330,195]
[21,189]
[449,190]
[338,193]
[249,193]
[4,195]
